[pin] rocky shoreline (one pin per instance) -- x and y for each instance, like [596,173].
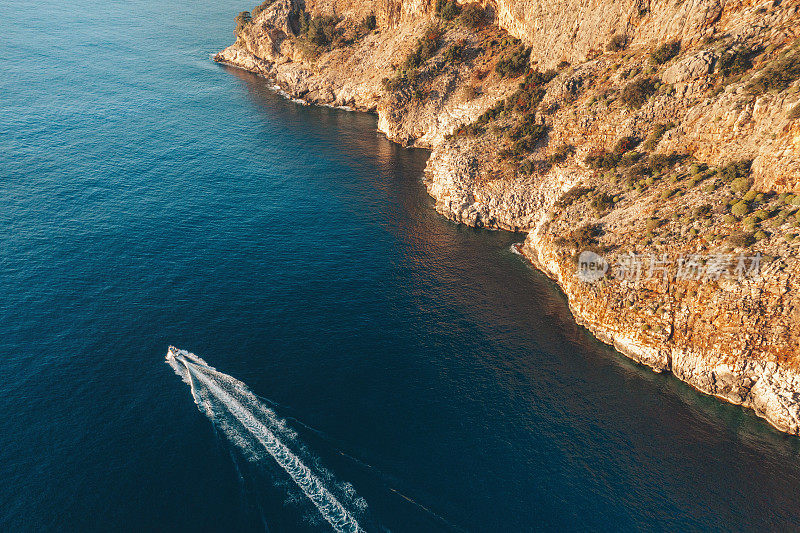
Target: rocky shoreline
[764,387]
[735,339]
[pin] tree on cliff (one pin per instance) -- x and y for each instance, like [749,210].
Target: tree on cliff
[242,20]
[322,30]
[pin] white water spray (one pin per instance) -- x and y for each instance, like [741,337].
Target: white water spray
[219,395]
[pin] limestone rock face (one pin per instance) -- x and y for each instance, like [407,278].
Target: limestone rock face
[690,68]
[570,29]
[738,339]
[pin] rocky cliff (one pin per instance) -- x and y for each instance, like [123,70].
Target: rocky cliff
[651,150]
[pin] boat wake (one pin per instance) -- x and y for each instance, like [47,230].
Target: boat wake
[259,434]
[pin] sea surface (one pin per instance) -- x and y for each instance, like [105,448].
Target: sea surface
[367,351]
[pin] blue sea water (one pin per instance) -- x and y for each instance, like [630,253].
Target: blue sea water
[151,197]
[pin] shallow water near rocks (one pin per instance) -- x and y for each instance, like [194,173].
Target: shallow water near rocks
[432,378]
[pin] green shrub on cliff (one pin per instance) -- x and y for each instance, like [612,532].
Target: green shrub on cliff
[571,196]
[665,52]
[527,167]
[513,62]
[602,202]
[740,209]
[525,100]
[625,144]
[587,235]
[455,53]
[526,135]
[651,224]
[602,160]
[741,239]
[636,93]
[702,211]
[741,185]
[629,159]
[561,153]
[530,92]
[404,79]
[662,162]
[734,62]
[370,22]
[778,76]
[490,114]
[737,169]
[750,195]
[527,127]
[426,47]
[583,238]
[242,20]
[468,130]
[761,214]
[658,132]
[322,30]
[669,193]
[447,9]
[618,42]
[528,144]
[473,15]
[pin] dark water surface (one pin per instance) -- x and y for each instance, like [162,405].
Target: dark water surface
[151,197]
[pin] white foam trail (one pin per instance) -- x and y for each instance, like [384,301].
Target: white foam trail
[261,423]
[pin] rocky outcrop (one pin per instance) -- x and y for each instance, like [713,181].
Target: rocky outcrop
[353,76]
[721,358]
[620,150]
